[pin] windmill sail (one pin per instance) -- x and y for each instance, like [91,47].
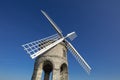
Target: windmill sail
[79,57]
[47,48]
[35,46]
[53,23]
[72,35]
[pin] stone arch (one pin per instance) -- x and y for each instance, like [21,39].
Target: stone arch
[47,68]
[64,72]
[45,59]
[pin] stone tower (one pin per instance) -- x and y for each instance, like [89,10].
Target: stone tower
[53,61]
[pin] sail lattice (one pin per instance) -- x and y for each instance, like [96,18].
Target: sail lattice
[37,45]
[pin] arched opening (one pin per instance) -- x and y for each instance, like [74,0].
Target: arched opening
[47,70]
[64,72]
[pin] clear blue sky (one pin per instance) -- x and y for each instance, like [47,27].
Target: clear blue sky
[96,22]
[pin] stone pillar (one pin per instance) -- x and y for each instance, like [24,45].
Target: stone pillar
[37,73]
[56,74]
[64,76]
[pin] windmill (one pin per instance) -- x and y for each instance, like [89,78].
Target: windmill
[42,50]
